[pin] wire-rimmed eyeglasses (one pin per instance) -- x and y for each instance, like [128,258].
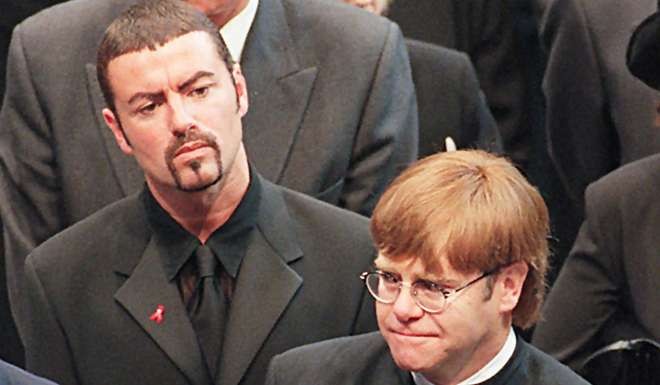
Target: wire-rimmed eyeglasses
[431,297]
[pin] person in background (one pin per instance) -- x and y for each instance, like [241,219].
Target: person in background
[449,100]
[485,31]
[608,290]
[598,116]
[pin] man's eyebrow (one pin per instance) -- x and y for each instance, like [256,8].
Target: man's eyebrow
[145,95]
[191,80]
[159,94]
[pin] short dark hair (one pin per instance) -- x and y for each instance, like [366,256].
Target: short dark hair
[149,25]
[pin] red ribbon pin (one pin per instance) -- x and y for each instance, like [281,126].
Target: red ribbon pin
[158,315]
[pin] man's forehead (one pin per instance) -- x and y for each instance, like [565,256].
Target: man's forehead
[172,63]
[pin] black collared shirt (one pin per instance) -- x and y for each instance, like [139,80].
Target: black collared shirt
[229,242]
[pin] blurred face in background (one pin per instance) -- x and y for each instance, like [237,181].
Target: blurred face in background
[219,11]
[374,6]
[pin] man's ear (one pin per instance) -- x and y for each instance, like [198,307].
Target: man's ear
[511,279]
[241,90]
[115,126]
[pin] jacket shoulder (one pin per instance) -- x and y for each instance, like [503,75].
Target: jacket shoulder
[543,369]
[333,361]
[342,348]
[322,218]
[104,234]
[432,53]
[434,66]
[336,26]
[632,178]
[71,26]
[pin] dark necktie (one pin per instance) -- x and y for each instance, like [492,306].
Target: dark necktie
[208,307]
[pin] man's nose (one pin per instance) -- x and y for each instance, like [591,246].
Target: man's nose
[405,307]
[181,119]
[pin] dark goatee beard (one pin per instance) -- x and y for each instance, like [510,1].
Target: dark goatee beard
[195,165]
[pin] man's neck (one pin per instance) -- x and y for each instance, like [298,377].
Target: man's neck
[203,212]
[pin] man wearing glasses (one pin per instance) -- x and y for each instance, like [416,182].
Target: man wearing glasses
[462,240]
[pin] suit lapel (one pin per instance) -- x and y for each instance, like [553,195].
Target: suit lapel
[124,168]
[264,287]
[145,289]
[279,90]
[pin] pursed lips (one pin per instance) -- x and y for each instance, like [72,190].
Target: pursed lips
[190,146]
[411,334]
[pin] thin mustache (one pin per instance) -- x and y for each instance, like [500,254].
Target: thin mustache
[190,136]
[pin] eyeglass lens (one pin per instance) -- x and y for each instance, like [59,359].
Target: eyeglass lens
[386,288]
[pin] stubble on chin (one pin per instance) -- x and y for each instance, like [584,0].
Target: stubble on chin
[194,165]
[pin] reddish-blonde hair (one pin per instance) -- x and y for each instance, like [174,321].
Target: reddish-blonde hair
[474,208]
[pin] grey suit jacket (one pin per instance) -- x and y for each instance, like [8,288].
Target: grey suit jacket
[366,360]
[332,114]
[12,375]
[598,115]
[449,101]
[92,288]
[608,288]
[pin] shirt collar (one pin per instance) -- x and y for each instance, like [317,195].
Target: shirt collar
[175,244]
[235,32]
[487,371]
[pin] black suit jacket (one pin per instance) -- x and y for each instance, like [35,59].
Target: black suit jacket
[608,288]
[484,30]
[449,101]
[11,375]
[598,115]
[92,288]
[366,360]
[359,360]
[332,114]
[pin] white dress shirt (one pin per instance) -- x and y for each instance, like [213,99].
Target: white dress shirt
[236,30]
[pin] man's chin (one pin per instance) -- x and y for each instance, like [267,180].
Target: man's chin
[414,357]
[409,363]
[199,184]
